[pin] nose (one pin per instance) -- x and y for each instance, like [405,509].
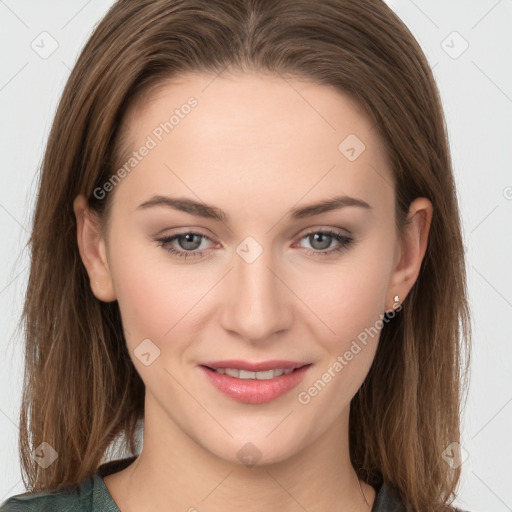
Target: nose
[258,302]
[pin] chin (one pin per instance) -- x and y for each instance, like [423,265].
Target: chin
[256,452]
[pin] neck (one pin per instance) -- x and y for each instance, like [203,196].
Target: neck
[174,472]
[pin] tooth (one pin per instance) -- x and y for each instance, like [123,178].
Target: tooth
[244,374]
[269,374]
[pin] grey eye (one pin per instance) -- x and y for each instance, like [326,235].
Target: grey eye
[320,241]
[189,243]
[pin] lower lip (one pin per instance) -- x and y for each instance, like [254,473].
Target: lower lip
[253,391]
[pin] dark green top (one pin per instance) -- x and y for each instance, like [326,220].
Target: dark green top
[93,495]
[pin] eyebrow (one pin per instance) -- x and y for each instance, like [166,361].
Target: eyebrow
[211,212]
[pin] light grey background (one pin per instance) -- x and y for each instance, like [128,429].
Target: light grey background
[476,89]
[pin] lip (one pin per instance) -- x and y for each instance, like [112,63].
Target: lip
[254,367]
[253,391]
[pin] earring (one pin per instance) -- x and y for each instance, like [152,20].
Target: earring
[396,306]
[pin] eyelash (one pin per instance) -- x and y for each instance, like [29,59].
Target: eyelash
[344,244]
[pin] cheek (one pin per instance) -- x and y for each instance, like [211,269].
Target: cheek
[350,309]
[349,297]
[155,298]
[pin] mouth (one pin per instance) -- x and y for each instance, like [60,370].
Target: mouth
[255,386]
[249,375]
[238,364]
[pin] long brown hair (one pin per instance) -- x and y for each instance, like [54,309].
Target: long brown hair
[81,391]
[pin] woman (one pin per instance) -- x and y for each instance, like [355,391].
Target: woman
[247,237]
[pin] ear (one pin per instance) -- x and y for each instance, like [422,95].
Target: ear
[410,251]
[92,250]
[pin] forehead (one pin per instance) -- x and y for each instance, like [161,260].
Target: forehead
[253,134]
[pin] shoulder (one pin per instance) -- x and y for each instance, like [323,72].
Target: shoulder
[388,500]
[91,494]
[68,499]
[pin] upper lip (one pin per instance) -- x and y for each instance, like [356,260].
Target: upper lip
[254,367]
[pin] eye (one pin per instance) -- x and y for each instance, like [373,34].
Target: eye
[321,240]
[188,241]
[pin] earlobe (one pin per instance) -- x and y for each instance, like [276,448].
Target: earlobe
[412,249]
[91,246]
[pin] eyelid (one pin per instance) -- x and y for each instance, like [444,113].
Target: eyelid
[344,242]
[335,229]
[299,235]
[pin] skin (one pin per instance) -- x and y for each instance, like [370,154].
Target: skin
[255,146]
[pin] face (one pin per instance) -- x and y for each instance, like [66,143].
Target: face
[251,273]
